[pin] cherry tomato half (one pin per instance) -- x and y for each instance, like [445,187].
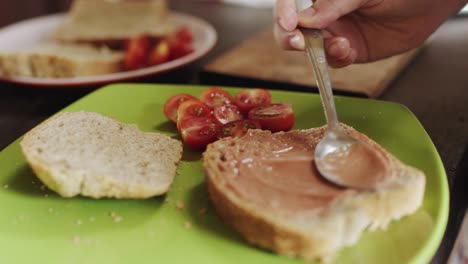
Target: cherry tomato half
[184,34]
[160,53]
[215,96]
[137,49]
[198,132]
[274,117]
[192,108]
[172,105]
[179,48]
[248,99]
[238,128]
[227,113]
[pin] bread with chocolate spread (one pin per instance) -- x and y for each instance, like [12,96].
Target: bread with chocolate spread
[266,187]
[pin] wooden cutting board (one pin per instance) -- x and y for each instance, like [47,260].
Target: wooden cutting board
[260,58]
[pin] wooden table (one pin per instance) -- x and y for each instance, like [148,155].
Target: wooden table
[434,87]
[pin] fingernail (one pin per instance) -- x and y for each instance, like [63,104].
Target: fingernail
[334,50]
[306,14]
[288,21]
[338,49]
[296,42]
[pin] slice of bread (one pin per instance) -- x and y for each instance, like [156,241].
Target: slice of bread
[274,216]
[96,156]
[105,21]
[60,61]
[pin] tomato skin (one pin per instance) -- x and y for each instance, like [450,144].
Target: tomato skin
[247,99]
[227,113]
[184,34]
[274,117]
[179,48]
[238,128]
[172,105]
[215,96]
[198,132]
[160,53]
[136,52]
[192,108]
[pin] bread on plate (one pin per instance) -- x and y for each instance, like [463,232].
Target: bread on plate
[106,21]
[60,61]
[85,153]
[266,187]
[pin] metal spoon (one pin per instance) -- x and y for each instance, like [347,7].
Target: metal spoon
[337,148]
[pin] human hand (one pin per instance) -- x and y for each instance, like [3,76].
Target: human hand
[363,30]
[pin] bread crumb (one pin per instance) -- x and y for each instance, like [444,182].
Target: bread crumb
[91,218]
[5,186]
[79,222]
[50,210]
[76,239]
[202,211]
[180,205]
[117,218]
[187,224]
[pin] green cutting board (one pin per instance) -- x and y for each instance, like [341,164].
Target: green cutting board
[38,226]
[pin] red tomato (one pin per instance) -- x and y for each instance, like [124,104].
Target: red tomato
[238,128]
[137,49]
[198,132]
[160,53]
[172,105]
[275,117]
[192,108]
[184,34]
[248,99]
[179,49]
[227,113]
[215,96]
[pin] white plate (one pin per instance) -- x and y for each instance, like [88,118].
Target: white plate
[34,31]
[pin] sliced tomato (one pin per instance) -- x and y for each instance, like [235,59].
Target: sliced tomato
[160,53]
[184,34]
[136,52]
[198,132]
[274,117]
[179,48]
[247,99]
[215,96]
[172,105]
[238,128]
[227,113]
[192,108]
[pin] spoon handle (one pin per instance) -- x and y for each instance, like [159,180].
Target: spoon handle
[314,48]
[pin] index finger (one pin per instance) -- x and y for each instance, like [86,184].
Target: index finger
[285,14]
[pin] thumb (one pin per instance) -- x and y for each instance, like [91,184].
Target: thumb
[325,12]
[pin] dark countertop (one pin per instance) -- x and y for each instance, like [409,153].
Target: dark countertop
[434,87]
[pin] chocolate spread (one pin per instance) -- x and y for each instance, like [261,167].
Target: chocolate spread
[277,171]
[358,165]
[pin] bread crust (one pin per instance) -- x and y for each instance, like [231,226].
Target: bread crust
[321,235]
